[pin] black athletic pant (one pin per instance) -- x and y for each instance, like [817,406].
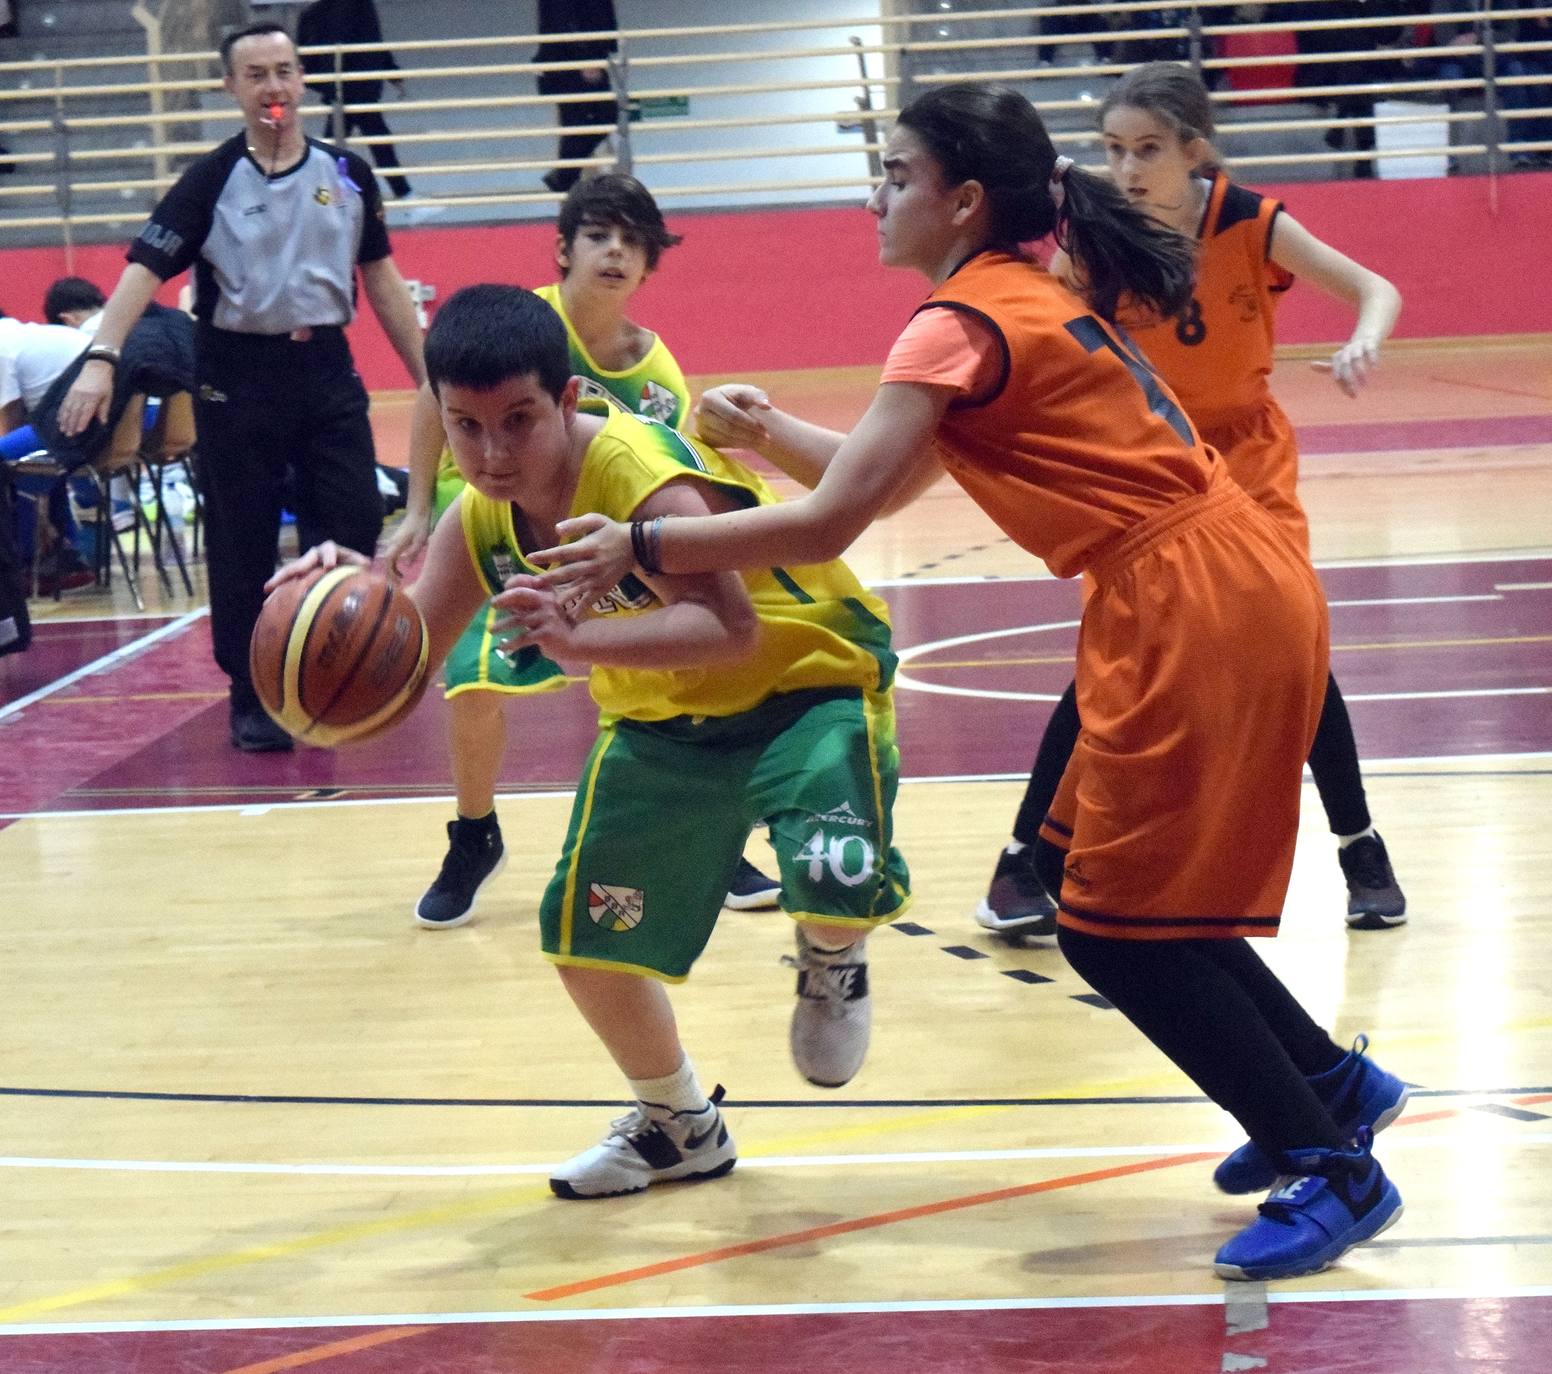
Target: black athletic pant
[579,145]
[1333,759]
[1223,1018]
[264,404]
[372,124]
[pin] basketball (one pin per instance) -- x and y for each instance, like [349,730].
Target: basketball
[337,655]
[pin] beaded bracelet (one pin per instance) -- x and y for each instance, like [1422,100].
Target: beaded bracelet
[647,543]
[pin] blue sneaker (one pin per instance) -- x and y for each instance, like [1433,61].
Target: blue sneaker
[1357,1092]
[1330,1201]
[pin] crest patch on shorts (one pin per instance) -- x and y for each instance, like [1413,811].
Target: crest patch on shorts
[614,908]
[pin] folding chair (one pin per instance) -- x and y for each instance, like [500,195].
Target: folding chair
[171,440]
[121,458]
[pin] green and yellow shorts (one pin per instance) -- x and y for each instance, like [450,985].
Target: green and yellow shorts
[663,810]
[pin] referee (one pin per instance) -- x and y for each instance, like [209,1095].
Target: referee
[275,225]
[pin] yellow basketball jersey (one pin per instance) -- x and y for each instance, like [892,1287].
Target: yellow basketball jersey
[655,387]
[819,627]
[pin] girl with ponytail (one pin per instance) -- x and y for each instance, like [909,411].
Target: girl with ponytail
[1215,352]
[1203,655]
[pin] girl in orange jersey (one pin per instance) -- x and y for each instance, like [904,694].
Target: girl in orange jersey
[1203,655]
[1216,355]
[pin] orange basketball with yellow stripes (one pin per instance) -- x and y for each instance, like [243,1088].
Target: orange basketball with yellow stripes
[337,655]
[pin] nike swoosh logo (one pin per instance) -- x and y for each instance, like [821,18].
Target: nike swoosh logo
[1371,1195]
[694,1142]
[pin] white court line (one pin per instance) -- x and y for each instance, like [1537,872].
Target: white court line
[1443,694]
[1415,600]
[1431,560]
[1511,1136]
[1428,560]
[1485,1292]
[1524,586]
[98,665]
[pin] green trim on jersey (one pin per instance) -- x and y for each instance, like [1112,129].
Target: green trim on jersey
[655,387]
[819,627]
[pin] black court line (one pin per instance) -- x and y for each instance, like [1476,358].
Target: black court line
[592,1103]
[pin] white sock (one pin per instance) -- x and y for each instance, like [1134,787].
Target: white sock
[678,1091]
[1342,841]
[1014,847]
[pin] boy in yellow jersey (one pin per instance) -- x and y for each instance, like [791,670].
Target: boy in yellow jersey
[724,699]
[610,235]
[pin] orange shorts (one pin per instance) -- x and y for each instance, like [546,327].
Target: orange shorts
[1262,455]
[1202,666]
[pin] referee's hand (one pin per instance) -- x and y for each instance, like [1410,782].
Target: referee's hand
[87,400]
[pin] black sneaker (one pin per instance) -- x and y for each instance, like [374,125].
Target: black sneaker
[1016,902]
[255,733]
[751,890]
[1375,900]
[475,854]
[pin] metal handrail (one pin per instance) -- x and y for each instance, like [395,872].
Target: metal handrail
[901,44]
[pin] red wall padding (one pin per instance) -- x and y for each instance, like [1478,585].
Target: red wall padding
[764,290]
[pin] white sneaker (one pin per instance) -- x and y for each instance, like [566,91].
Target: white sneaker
[650,1144]
[833,1019]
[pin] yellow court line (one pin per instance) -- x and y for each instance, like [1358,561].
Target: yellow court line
[259,1254]
[436,1216]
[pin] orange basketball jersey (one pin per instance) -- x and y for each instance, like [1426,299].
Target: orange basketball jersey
[1216,354]
[1080,442]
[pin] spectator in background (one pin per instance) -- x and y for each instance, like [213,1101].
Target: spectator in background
[332,22]
[1471,66]
[1359,104]
[74,301]
[1135,51]
[1126,51]
[577,16]
[31,357]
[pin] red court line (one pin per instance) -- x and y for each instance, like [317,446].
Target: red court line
[318,1353]
[841,1228]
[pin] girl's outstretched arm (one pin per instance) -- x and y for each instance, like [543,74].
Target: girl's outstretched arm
[886,458]
[1374,298]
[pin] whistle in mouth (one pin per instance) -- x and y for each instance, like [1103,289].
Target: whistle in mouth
[273,114]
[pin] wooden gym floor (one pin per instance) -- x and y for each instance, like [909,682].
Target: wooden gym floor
[256,1121]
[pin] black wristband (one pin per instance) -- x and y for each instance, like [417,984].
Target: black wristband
[638,531]
[101,353]
[654,542]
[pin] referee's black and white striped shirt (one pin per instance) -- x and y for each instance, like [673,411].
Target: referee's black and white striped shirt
[270,255]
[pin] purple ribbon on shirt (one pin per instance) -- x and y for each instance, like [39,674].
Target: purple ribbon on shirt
[343,168]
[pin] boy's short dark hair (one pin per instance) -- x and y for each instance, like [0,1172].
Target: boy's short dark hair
[71,293]
[485,335]
[252,31]
[616,198]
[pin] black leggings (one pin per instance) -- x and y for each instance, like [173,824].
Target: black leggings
[1333,759]
[1223,1018]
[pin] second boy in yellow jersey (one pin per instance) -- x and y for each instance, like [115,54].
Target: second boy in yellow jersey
[609,237]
